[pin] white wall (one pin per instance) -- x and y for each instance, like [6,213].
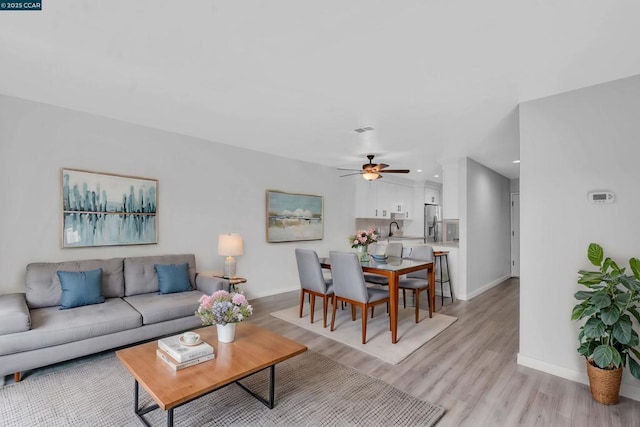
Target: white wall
[204,189]
[488,227]
[570,144]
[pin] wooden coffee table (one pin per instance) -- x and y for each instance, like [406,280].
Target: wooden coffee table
[253,350]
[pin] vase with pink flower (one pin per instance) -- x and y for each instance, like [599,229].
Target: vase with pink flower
[225,310]
[361,241]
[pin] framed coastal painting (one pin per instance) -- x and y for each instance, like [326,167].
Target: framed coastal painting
[294,217]
[103,209]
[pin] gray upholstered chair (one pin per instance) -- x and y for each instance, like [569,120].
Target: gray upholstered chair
[394,249]
[349,286]
[417,281]
[313,282]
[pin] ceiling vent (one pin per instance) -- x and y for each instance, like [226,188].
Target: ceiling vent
[363,129]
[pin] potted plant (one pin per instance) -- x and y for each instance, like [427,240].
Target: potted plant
[607,338]
[361,241]
[224,310]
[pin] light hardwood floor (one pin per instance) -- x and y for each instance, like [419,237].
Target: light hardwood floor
[470,369]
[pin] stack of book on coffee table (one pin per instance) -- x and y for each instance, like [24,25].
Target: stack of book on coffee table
[179,355]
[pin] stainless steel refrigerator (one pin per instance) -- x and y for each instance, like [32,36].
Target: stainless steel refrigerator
[432,223]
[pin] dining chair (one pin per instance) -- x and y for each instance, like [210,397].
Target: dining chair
[313,282]
[394,249]
[417,281]
[349,286]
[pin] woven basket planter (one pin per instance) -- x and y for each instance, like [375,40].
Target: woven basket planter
[604,383]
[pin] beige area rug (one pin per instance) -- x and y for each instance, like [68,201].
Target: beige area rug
[311,390]
[411,335]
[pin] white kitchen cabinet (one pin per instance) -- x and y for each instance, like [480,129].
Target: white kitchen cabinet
[431,196]
[379,200]
[372,200]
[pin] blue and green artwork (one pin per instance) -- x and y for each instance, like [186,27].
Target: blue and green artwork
[104,209]
[293,217]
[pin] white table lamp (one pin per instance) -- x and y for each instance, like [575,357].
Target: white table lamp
[229,245]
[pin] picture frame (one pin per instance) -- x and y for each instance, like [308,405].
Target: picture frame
[293,217]
[105,209]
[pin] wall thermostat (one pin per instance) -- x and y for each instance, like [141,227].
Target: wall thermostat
[601,197]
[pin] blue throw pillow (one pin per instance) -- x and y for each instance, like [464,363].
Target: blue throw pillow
[80,288]
[173,278]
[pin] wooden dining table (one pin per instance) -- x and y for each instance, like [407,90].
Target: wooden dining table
[393,268]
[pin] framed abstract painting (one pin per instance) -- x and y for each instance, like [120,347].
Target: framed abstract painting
[102,209]
[294,217]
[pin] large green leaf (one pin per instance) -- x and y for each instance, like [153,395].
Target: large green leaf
[594,328]
[578,311]
[630,283]
[595,254]
[590,278]
[601,300]
[610,315]
[617,358]
[584,349]
[603,356]
[634,367]
[622,330]
[622,300]
[634,263]
[582,295]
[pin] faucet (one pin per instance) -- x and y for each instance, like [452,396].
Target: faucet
[397,227]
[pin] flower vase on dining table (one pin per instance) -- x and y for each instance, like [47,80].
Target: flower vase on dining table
[363,253]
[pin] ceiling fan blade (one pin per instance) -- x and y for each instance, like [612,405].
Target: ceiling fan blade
[343,169]
[380,166]
[396,171]
[350,174]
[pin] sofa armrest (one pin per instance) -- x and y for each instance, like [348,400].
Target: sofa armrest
[14,314]
[208,283]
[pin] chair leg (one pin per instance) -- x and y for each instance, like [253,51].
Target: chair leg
[372,307]
[325,302]
[416,298]
[353,312]
[404,298]
[364,323]
[301,301]
[313,306]
[333,312]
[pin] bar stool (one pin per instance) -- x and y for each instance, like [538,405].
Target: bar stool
[444,278]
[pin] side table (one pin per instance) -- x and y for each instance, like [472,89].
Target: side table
[233,281]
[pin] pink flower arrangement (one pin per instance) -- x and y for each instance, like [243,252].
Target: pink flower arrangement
[364,238]
[223,307]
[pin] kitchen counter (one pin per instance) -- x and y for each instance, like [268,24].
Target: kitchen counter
[453,244]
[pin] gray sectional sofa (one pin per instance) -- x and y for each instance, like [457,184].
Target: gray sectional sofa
[35,332]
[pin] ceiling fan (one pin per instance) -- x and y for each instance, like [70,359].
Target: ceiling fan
[371,171]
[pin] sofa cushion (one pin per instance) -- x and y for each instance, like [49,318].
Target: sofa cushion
[43,284]
[140,274]
[51,327]
[157,307]
[173,278]
[80,288]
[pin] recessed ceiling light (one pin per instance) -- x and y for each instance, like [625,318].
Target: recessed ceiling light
[436,176]
[516,161]
[419,170]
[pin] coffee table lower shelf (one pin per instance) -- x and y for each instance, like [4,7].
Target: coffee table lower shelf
[270,403]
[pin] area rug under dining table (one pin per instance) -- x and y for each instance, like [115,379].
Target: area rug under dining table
[311,389]
[411,335]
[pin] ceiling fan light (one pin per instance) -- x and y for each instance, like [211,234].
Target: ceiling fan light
[370,176]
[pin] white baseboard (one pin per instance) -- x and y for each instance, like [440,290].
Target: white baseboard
[627,390]
[485,288]
[271,292]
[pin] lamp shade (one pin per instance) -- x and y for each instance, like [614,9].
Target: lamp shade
[370,176]
[229,244]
